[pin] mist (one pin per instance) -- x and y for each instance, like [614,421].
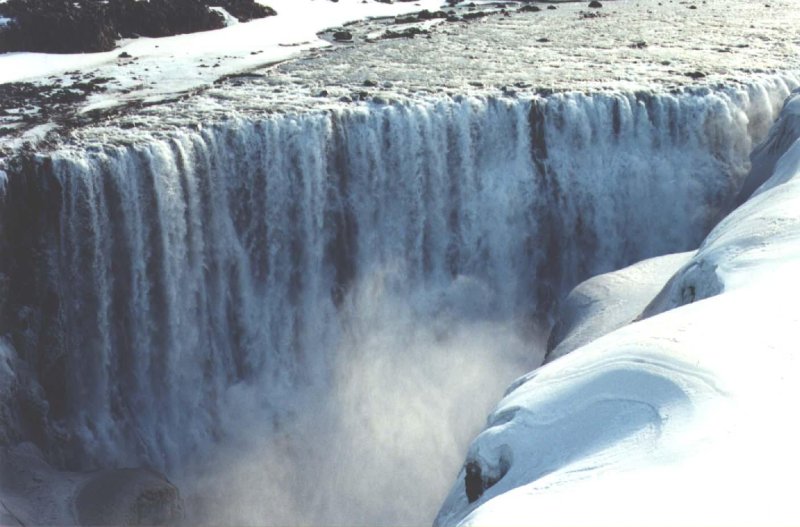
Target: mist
[380,441]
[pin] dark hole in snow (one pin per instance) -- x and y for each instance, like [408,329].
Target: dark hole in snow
[472,482]
[476,480]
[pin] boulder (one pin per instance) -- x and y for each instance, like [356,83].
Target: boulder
[128,496]
[342,36]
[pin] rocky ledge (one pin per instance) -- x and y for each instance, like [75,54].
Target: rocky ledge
[34,493]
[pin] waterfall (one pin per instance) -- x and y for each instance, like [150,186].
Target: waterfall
[151,288]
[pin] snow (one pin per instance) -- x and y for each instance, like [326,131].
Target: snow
[5,21]
[610,301]
[228,19]
[659,389]
[727,42]
[183,62]
[683,418]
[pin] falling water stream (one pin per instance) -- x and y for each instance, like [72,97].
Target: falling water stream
[304,318]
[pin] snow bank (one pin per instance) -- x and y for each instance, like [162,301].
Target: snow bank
[683,418]
[766,155]
[609,301]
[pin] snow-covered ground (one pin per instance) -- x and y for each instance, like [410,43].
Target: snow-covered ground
[685,417]
[161,66]
[625,46]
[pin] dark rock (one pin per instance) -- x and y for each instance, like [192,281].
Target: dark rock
[406,33]
[428,15]
[640,44]
[529,9]
[124,55]
[551,7]
[342,36]
[76,26]
[475,15]
[244,10]
[131,496]
[595,4]
[55,26]
[370,83]
[696,75]
[473,484]
[161,18]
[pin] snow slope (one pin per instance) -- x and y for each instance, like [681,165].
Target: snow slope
[596,306]
[683,418]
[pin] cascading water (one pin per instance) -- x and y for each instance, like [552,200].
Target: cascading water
[336,290]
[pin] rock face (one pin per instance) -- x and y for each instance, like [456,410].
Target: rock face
[58,26]
[129,496]
[64,26]
[32,492]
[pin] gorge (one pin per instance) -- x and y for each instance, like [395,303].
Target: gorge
[303,316]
